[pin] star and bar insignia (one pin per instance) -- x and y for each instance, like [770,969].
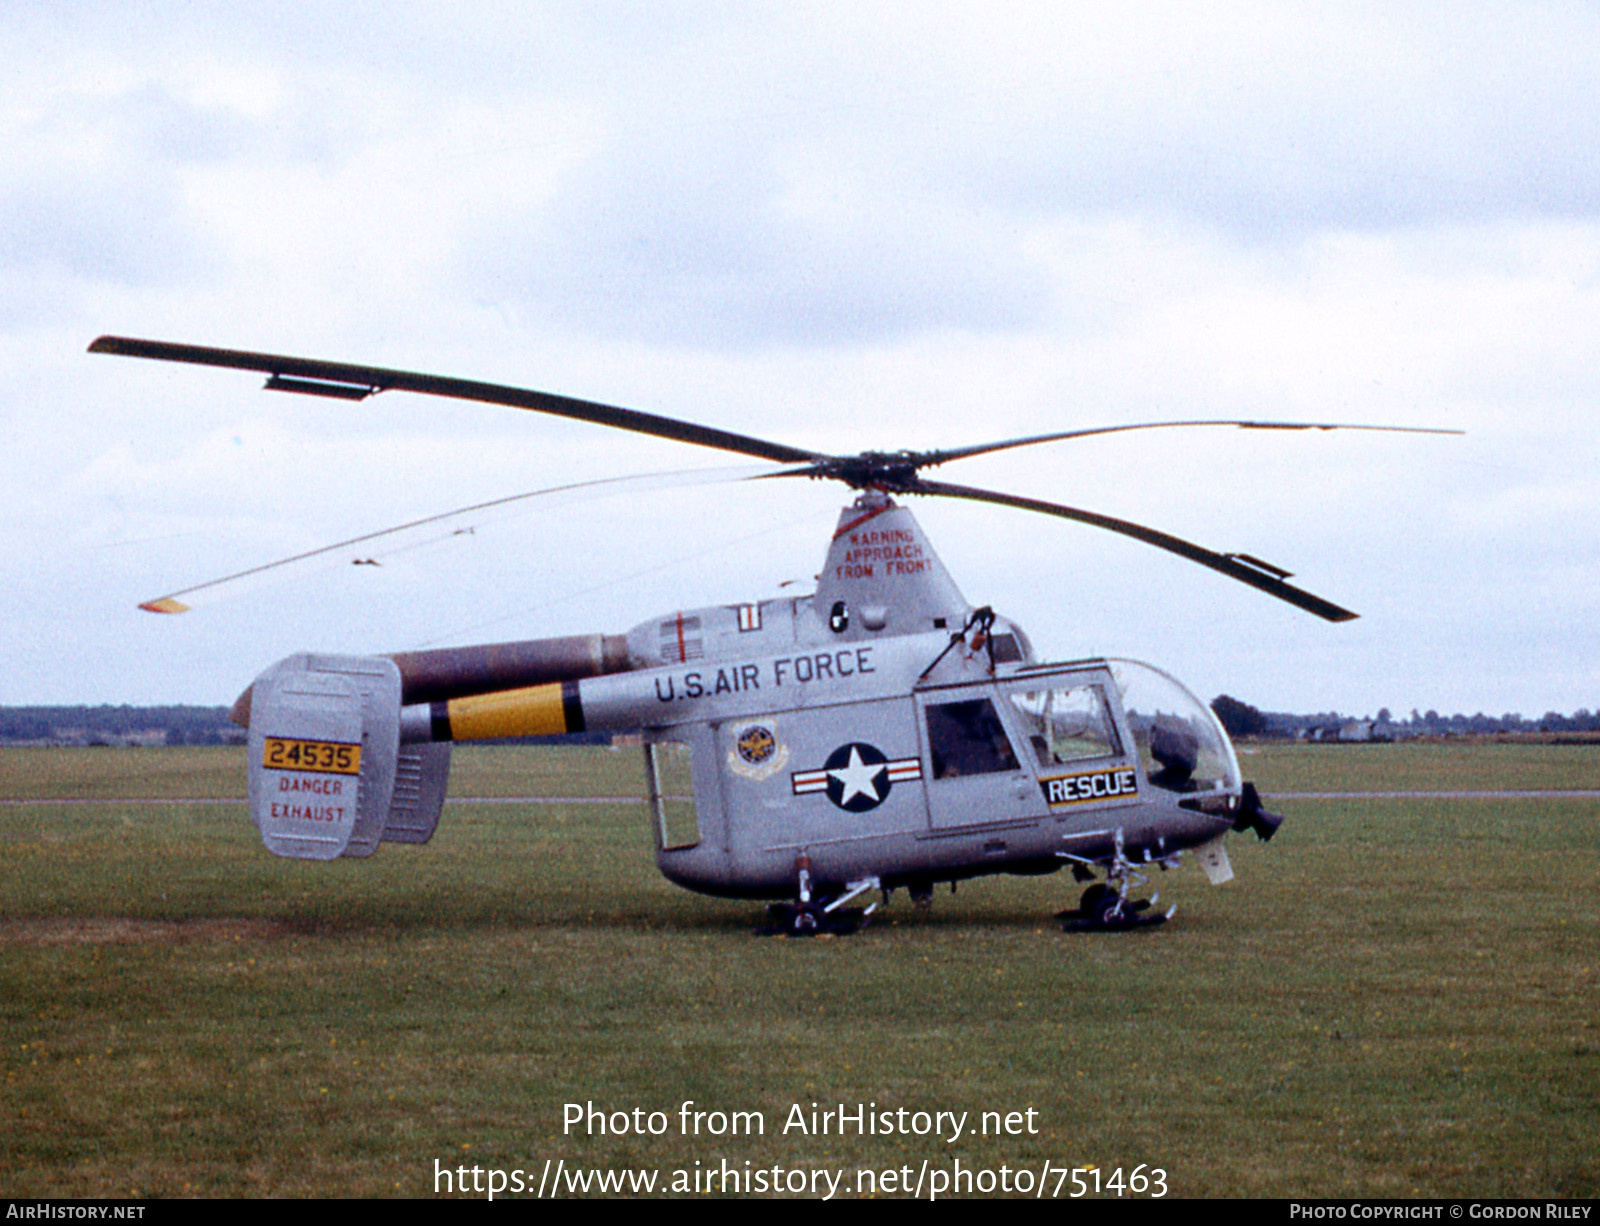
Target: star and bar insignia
[857,776]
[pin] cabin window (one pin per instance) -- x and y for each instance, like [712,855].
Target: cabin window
[967,738]
[1006,648]
[1180,742]
[1066,724]
[669,789]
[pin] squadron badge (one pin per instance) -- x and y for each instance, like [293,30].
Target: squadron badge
[757,753]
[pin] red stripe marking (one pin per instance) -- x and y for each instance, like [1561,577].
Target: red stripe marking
[856,523]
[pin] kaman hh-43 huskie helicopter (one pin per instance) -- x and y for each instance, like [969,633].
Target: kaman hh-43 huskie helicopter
[879,733]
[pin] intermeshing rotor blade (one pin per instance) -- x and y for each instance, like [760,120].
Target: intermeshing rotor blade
[170,603]
[1258,576]
[930,458]
[348,382]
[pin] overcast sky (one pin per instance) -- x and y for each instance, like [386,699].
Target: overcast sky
[841,227]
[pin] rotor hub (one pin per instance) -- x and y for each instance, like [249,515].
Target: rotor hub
[892,472]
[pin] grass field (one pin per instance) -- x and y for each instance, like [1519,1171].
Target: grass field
[1394,998]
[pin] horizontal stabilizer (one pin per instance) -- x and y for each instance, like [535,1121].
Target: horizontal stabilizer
[420,779]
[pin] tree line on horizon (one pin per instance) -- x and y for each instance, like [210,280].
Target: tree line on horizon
[118,725]
[1242,719]
[196,725]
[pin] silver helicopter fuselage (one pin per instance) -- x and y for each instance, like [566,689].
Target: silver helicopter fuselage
[880,728]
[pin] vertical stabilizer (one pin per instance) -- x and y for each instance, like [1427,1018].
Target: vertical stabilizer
[882,575]
[324,737]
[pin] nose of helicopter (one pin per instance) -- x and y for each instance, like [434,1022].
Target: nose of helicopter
[1253,817]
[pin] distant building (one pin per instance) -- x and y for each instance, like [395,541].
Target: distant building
[1345,731]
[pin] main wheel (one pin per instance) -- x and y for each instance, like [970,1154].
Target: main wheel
[1096,899]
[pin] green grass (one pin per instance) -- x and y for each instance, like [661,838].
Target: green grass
[1392,998]
[107,773]
[1447,767]
[476,770]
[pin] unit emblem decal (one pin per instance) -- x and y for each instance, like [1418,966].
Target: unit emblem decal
[857,776]
[757,753]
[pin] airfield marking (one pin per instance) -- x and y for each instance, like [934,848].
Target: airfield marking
[545,800]
[1539,794]
[126,800]
[244,800]
[1528,794]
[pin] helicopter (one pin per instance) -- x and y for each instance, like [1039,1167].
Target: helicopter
[879,733]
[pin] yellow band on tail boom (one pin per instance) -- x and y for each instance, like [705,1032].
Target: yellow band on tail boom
[535,710]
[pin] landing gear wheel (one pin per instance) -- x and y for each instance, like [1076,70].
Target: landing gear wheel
[1101,910]
[810,919]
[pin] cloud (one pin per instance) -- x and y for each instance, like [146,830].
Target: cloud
[93,187]
[1264,121]
[839,225]
[713,248]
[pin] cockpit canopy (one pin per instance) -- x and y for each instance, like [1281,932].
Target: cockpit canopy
[1181,744]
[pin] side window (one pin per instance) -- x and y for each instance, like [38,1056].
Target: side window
[1066,724]
[967,738]
[669,789]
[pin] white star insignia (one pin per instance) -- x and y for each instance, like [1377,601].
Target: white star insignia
[858,777]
